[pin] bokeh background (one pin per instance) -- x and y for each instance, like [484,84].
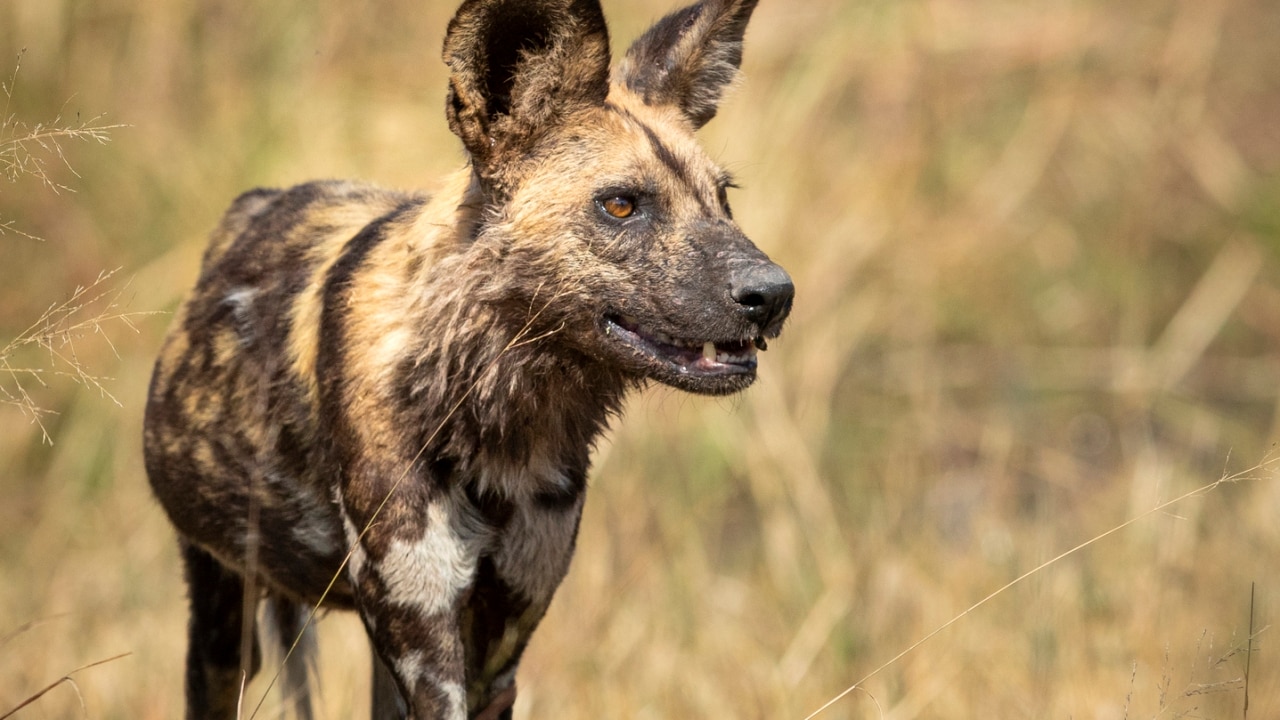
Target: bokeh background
[1037,252]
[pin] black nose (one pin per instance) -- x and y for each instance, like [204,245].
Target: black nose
[764,291]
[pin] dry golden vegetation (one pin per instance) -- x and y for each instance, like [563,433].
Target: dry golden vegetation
[1037,251]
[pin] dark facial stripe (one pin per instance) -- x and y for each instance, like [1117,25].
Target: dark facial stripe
[660,149]
[668,158]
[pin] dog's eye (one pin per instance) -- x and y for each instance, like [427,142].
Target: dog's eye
[619,206]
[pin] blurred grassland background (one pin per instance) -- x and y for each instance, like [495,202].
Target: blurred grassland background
[1037,250]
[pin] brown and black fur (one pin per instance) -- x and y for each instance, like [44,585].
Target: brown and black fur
[386,402]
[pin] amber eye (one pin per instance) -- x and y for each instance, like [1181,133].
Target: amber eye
[620,206]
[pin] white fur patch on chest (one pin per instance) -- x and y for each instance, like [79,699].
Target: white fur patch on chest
[429,572]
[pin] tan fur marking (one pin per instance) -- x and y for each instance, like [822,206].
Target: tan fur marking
[345,220]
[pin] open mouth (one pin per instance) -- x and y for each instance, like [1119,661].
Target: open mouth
[690,357]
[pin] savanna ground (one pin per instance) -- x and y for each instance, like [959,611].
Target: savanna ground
[1037,247]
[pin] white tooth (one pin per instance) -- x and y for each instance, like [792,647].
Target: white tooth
[709,351]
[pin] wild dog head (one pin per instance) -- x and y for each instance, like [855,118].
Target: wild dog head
[594,190]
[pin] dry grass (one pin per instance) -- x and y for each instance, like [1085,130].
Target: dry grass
[48,348]
[53,345]
[1035,246]
[27,150]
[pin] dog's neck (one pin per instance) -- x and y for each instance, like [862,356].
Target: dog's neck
[487,384]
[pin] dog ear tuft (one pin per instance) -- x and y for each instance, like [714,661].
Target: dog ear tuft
[688,58]
[518,67]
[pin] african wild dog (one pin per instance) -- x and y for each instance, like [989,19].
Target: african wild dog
[417,381]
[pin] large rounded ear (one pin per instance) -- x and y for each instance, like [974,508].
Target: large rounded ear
[688,57]
[518,67]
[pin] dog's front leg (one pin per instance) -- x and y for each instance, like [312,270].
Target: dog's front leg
[514,588]
[412,569]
